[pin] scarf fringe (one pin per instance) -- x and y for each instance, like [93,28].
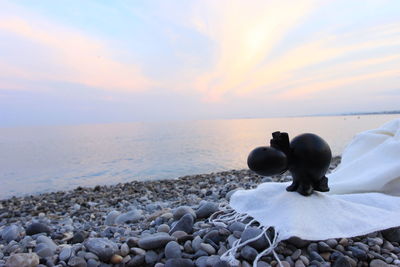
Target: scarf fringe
[225,216]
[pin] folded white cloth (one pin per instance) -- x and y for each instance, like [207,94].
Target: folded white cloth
[364,195]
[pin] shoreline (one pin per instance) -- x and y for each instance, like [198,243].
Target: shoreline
[136,224]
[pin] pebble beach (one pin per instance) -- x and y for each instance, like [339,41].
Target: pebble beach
[164,223]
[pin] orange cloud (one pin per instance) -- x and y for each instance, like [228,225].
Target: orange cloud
[73,58]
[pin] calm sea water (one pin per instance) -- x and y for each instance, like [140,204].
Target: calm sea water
[42,159]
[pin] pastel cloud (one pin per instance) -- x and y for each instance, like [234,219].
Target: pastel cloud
[71,56]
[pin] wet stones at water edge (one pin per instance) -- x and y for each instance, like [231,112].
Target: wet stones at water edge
[84,236]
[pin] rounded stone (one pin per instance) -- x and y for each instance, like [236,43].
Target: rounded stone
[155,241]
[102,247]
[183,210]
[179,263]
[77,262]
[23,259]
[37,228]
[163,228]
[172,250]
[184,224]
[207,248]
[251,232]
[116,259]
[206,209]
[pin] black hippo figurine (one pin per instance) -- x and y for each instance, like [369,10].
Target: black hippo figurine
[307,158]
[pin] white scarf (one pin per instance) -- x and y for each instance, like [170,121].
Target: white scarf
[364,197]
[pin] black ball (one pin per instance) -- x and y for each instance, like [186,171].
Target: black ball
[267,161]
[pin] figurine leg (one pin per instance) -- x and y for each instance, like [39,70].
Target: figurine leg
[293,187]
[322,185]
[305,189]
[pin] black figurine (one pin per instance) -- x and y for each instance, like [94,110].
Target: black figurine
[307,158]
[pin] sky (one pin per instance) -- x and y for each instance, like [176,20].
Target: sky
[73,62]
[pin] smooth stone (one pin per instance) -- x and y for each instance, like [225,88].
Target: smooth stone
[92,263]
[299,263]
[23,259]
[341,262]
[201,261]
[187,247]
[323,247]
[298,242]
[159,264]
[66,253]
[77,262]
[296,254]
[206,209]
[78,237]
[37,228]
[102,247]
[10,233]
[183,210]
[163,228]
[151,257]
[156,240]
[196,243]
[392,234]
[124,250]
[378,263]
[236,226]
[179,262]
[358,253]
[137,260]
[331,242]
[116,259]
[214,236]
[208,248]
[213,259]
[111,216]
[251,232]
[200,253]
[184,224]
[172,250]
[221,263]
[138,251]
[129,217]
[248,253]
[315,256]
[90,255]
[44,252]
[48,241]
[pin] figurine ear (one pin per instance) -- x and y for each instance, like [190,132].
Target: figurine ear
[267,161]
[280,141]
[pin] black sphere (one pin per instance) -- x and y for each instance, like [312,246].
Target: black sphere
[267,161]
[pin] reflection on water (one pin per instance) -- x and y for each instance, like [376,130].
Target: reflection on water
[41,159]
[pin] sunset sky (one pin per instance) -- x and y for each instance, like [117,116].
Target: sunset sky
[71,62]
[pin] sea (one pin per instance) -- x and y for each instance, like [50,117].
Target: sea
[43,159]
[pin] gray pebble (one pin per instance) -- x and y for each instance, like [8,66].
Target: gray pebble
[151,257]
[156,240]
[206,209]
[201,261]
[48,241]
[65,253]
[236,226]
[102,247]
[179,263]
[251,232]
[207,248]
[129,217]
[77,262]
[163,228]
[10,233]
[248,253]
[111,216]
[341,262]
[137,261]
[37,228]
[92,263]
[172,250]
[184,224]
[183,210]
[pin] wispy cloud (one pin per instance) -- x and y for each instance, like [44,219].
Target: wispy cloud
[71,56]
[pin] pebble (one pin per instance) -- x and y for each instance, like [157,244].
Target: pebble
[184,224]
[248,253]
[163,228]
[208,248]
[251,232]
[129,217]
[77,262]
[66,253]
[183,210]
[179,263]
[110,219]
[378,263]
[10,233]
[151,257]
[206,209]
[116,259]
[37,228]
[154,241]
[102,247]
[23,259]
[172,250]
